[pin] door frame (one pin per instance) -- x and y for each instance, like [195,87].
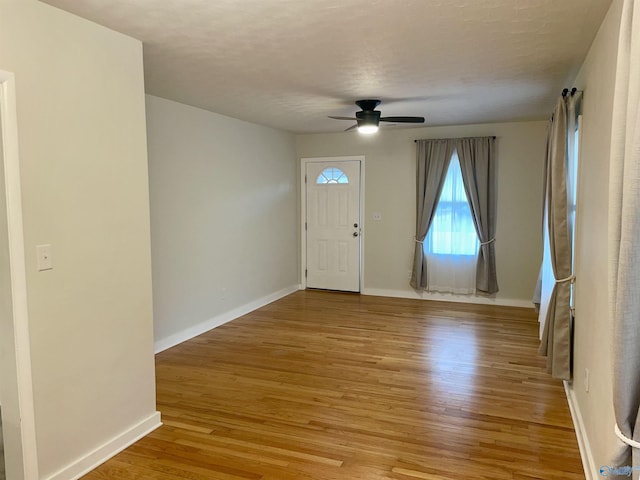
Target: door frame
[17,387]
[303,213]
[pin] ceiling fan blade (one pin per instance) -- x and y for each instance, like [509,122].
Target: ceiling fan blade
[403,119]
[352,127]
[342,118]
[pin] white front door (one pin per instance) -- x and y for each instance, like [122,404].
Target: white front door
[333,225]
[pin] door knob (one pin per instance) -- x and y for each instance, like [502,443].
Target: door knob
[355,234]
[355,225]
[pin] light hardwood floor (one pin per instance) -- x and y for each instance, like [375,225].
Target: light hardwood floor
[330,386]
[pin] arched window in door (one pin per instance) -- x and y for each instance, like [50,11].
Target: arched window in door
[332,175]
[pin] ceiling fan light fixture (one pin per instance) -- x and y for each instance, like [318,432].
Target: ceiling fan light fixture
[367,129]
[368,121]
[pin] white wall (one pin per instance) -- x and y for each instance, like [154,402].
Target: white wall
[390,185]
[81,127]
[223,217]
[593,327]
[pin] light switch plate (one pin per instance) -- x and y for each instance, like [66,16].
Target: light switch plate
[377,216]
[45,262]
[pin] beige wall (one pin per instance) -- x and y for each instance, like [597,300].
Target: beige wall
[81,127]
[223,217]
[390,190]
[593,328]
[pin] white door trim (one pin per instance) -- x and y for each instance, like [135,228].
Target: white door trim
[303,213]
[20,384]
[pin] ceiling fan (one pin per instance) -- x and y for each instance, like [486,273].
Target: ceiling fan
[369,118]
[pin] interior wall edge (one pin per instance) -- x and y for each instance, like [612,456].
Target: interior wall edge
[588,462]
[20,447]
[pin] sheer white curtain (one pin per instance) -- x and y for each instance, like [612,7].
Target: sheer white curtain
[451,246]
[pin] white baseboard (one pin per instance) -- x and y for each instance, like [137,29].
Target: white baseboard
[591,471]
[93,459]
[202,327]
[445,297]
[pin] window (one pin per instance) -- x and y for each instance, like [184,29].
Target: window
[451,245]
[452,231]
[332,175]
[572,182]
[572,187]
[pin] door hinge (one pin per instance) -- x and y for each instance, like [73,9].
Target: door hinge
[305,226]
[305,273]
[305,179]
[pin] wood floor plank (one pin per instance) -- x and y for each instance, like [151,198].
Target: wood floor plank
[332,386]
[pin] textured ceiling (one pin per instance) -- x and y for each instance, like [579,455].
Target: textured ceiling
[291,63]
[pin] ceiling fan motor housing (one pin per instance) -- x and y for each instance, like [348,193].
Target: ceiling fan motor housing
[368,117]
[368,104]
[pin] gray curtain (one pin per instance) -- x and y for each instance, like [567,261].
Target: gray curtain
[624,242]
[478,165]
[432,161]
[556,336]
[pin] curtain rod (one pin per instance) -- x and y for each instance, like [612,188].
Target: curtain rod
[453,138]
[573,91]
